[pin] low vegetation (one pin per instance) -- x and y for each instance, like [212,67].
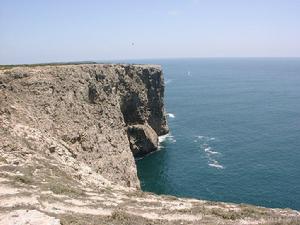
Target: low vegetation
[5,67]
[61,189]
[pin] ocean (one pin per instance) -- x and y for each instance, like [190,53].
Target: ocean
[234,131]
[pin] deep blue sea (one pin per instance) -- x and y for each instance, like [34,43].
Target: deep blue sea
[234,132]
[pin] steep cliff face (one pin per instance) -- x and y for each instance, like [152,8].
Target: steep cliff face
[85,109]
[68,134]
[143,98]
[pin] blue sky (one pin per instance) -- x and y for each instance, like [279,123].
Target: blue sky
[33,31]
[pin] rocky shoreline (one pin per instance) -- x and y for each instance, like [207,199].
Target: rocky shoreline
[68,137]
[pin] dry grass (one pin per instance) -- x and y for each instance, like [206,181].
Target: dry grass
[23,179]
[118,217]
[61,189]
[3,160]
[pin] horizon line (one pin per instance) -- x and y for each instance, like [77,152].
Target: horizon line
[150,58]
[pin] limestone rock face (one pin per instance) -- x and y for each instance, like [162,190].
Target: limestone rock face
[143,139]
[143,102]
[84,109]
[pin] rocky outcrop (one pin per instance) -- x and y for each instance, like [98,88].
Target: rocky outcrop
[68,134]
[84,109]
[143,139]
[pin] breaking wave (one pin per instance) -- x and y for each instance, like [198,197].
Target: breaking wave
[162,140]
[171,115]
[167,81]
[216,165]
[210,152]
[167,138]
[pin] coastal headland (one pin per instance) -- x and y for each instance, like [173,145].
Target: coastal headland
[69,135]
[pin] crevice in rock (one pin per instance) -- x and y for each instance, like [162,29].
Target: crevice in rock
[141,136]
[93,93]
[130,107]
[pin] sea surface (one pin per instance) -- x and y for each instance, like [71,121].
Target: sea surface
[234,131]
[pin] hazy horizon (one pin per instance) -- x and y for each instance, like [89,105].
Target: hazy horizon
[67,31]
[131,60]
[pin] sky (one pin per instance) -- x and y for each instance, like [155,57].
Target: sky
[35,31]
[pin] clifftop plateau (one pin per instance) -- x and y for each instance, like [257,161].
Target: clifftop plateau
[68,137]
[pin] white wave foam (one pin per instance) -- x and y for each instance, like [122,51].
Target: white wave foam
[210,152]
[165,138]
[213,152]
[171,115]
[167,81]
[162,138]
[207,149]
[216,165]
[205,138]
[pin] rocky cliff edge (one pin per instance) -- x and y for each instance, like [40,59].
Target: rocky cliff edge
[68,137]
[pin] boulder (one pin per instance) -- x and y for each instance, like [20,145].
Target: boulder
[143,139]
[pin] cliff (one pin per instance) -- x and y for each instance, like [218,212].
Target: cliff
[89,111]
[68,134]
